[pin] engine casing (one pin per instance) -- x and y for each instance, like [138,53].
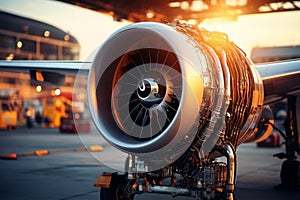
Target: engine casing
[156,89]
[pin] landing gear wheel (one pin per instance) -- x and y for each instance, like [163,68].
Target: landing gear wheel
[116,190]
[290,175]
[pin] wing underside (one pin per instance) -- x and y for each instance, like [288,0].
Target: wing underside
[279,78]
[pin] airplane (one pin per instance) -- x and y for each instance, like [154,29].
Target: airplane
[178,100]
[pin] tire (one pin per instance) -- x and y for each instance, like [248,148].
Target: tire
[116,190]
[290,175]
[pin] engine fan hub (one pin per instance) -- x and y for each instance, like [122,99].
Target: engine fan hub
[149,92]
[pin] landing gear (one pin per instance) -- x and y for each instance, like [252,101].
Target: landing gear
[290,170]
[115,187]
[206,178]
[290,175]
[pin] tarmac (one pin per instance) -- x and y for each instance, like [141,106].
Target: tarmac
[259,174]
[58,168]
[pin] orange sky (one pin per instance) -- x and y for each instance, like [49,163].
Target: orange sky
[274,29]
[91,28]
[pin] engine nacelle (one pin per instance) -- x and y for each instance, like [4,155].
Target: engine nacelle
[156,89]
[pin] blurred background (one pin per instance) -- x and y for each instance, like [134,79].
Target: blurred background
[266,31]
[34,116]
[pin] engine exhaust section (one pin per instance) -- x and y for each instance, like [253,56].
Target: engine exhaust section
[177,99]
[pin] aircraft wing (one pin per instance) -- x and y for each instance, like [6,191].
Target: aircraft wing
[279,78]
[53,72]
[65,67]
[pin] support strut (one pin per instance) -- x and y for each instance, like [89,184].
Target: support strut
[231,174]
[290,170]
[228,151]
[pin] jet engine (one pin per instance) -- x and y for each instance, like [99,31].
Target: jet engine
[175,97]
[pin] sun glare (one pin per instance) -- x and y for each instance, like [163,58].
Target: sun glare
[264,30]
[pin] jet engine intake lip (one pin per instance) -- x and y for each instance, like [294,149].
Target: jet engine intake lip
[181,131]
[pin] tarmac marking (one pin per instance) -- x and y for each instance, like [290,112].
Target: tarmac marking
[43,152]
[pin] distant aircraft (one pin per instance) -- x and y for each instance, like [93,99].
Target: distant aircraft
[178,101]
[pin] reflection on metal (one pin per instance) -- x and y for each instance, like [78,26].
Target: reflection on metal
[169,189]
[271,54]
[63,67]
[280,79]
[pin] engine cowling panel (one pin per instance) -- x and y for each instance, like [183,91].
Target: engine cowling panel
[157,89]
